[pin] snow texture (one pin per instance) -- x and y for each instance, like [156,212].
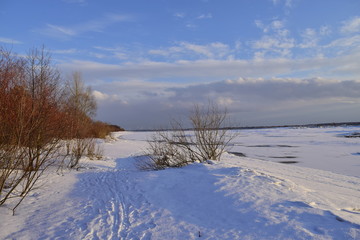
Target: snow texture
[252,197]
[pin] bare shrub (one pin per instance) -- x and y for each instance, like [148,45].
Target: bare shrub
[207,140]
[41,122]
[11,175]
[80,98]
[94,151]
[31,121]
[78,150]
[80,105]
[163,153]
[211,135]
[11,153]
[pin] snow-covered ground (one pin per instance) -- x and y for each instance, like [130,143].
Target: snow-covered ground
[252,197]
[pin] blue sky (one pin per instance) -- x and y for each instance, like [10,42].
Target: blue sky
[267,61]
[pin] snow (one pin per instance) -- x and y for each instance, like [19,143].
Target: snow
[320,148]
[252,197]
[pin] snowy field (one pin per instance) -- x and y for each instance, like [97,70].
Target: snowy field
[247,195]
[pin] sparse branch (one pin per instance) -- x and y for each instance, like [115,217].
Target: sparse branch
[207,140]
[31,121]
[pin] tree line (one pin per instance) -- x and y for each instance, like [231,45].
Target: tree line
[44,119]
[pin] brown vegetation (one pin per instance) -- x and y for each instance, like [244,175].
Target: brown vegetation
[39,118]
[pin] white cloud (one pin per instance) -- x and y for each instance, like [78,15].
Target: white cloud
[224,101]
[271,43]
[9,41]
[347,65]
[212,69]
[112,52]
[275,42]
[121,56]
[287,3]
[325,30]
[278,41]
[215,50]
[167,51]
[261,25]
[275,2]
[310,38]
[277,24]
[91,26]
[191,25]
[249,99]
[65,51]
[211,50]
[99,95]
[165,81]
[275,89]
[238,45]
[109,49]
[102,97]
[179,15]
[346,42]
[205,16]
[98,55]
[199,49]
[351,26]
[55,30]
[275,53]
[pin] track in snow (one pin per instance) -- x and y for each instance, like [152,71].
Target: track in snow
[109,204]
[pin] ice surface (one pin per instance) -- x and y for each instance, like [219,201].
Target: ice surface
[320,148]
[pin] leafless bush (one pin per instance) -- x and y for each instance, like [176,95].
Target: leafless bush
[75,149]
[163,153]
[94,151]
[38,120]
[31,121]
[11,175]
[78,150]
[207,140]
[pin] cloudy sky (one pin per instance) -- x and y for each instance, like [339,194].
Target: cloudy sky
[267,61]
